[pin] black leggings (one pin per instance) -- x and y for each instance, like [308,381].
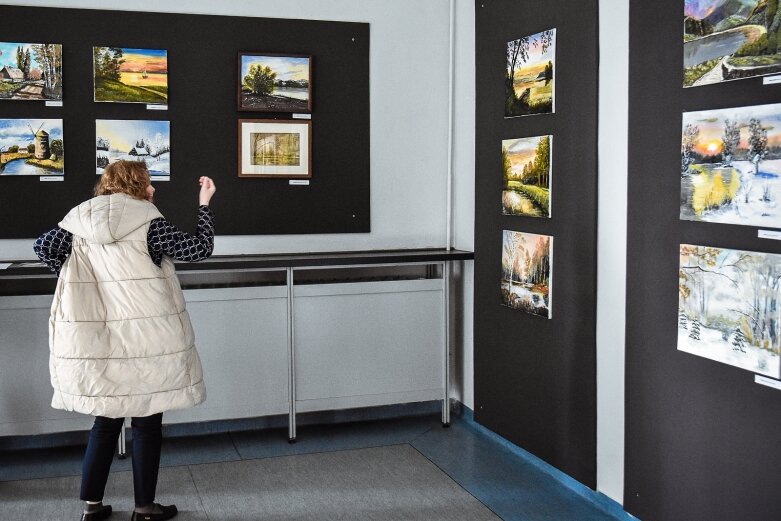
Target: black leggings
[147,438]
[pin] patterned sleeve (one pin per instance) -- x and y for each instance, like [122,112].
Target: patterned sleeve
[53,248]
[166,239]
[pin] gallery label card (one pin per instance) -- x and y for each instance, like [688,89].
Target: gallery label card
[157,107]
[764,380]
[302,116]
[769,234]
[54,103]
[52,178]
[299,182]
[771,80]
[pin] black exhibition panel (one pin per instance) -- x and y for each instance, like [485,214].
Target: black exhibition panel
[202,108]
[701,436]
[535,379]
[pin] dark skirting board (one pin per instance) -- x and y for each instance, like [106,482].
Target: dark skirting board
[202,59]
[535,379]
[701,436]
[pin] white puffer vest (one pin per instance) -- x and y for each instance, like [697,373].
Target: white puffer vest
[121,343]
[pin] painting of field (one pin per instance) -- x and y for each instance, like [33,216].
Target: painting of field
[275,83]
[529,86]
[125,75]
[526,272]
[526,172]
[728,307]
[731,166]
[30,71]
[31,147]
[728,40]
[134,140]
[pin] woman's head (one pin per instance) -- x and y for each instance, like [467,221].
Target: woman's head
[126,177]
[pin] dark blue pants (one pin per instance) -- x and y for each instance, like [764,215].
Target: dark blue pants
[147,438]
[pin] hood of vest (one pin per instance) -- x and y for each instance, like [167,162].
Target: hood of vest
[109,218]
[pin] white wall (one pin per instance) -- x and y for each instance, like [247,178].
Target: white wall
[611,243]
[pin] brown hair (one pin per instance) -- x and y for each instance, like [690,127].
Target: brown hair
[126,177]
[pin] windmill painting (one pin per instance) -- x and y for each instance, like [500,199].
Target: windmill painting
[31,147]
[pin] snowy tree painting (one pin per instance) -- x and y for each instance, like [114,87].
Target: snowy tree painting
[733,299]
[526,272]
[731,166]
[134,140]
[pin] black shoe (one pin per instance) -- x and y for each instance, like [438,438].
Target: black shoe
[103,513]
[167,513]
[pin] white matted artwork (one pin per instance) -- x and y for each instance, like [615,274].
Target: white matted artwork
[275,149]
[526,272]
[728,307]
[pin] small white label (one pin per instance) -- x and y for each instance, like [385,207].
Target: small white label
[52,178]
[54,103]
[5,265]
[157,107]
[771,80]
[769,234]
[302,116]
[764,380]
[299,182]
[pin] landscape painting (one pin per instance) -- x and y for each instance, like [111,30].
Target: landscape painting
[275,83]
[529,75]
[728,307]
[124,75]
[30,71]
[526,272]
[274,148]
[730,166]
[726,40]
[134,140]
[526,170]
[31,147]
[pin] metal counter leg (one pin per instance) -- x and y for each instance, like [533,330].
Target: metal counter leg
[121,445]
[291,434]
[446,336]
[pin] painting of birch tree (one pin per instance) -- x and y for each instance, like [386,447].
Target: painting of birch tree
[526,272]
[728,307]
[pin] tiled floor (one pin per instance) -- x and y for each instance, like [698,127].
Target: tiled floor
[508,485]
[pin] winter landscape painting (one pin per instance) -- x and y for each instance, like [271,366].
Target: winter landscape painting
[730,166]
[275,83]
[728,307]
[526,272]
[30,71]
[134,140]
[526,172]
[727,40]
[529,75]
[124,75]
[31,147]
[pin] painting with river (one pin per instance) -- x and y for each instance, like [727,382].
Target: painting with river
[526,272]
[31,147]
[526,174]
[728,40]
[731,166]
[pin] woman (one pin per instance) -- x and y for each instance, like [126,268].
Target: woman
[121,342]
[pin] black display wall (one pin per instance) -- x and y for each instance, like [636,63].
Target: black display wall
[701,436]
[203,79]
[535,379]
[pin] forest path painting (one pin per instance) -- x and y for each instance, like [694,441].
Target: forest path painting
[526,174]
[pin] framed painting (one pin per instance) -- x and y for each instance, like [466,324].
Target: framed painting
[275,82]
[30,71]
[528,78]
[126,75]
[725,41]
[31,147]
[526,272]
[731,166]
[728,307]
[270,148]
[134,140]
[526,169]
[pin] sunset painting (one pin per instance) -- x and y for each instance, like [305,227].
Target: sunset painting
[730,166]
[526,168]
[526,272]
[124,75]
[134,140]
[529,87]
